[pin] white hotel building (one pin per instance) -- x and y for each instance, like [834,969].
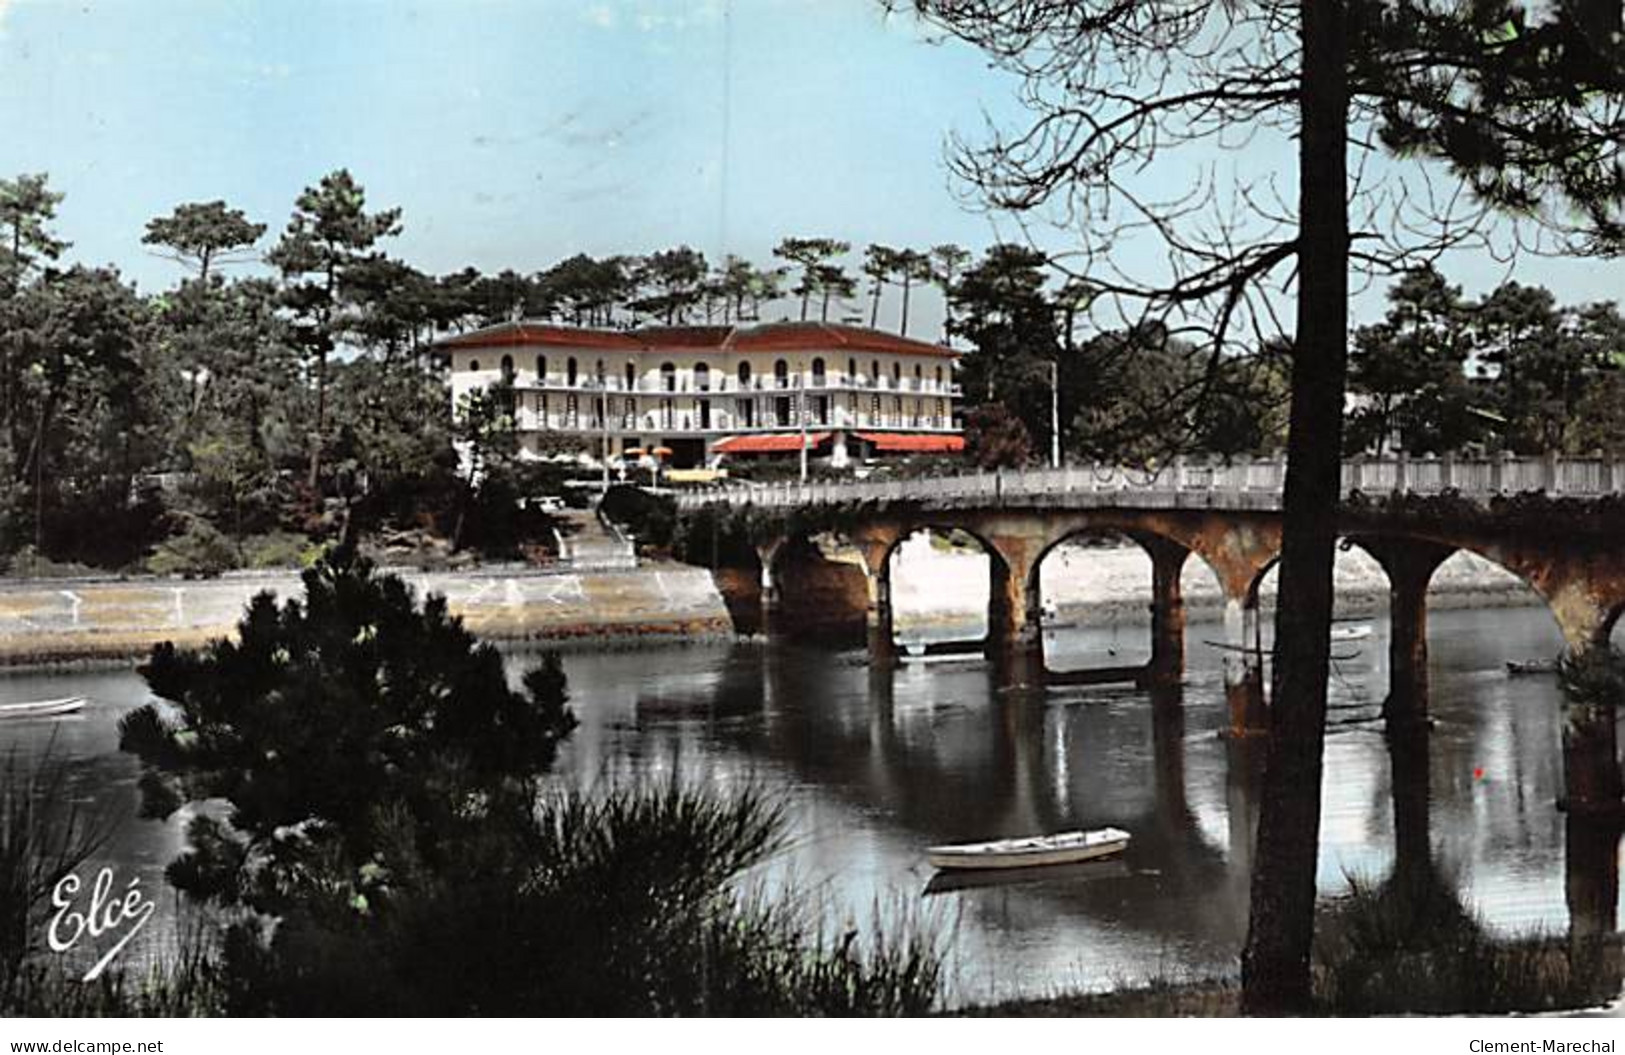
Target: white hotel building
[712,393]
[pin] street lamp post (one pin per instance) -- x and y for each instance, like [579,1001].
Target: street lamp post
[603,417]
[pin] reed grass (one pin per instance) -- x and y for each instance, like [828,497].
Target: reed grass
[636,901]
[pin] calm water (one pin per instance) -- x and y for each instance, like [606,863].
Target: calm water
[877,766]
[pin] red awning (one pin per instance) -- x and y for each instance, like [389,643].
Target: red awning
[913,442]
[767,444]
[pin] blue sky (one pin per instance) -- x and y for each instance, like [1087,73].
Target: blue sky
[516,132]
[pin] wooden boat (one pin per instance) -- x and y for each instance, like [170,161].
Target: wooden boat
[942,652]
[1060,848]
[43,708]
[1532,666]
[1051,619]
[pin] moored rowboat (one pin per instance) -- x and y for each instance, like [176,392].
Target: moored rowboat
[42,708]
[1532,666]
[1060,848]
[956,879]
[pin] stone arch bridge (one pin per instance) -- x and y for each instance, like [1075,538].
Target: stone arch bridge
[1555,523]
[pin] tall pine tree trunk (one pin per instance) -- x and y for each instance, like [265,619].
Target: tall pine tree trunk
[1275,962]
[321,422]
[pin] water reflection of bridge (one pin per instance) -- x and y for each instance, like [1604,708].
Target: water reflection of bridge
[946,755]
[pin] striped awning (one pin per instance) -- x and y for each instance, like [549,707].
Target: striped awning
[770,444]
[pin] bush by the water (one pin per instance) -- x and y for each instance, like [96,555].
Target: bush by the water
[1409,946]
[391,848]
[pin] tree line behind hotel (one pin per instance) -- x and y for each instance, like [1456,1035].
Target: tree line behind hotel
[249,418]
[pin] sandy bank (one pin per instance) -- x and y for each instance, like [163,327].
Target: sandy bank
[104,621]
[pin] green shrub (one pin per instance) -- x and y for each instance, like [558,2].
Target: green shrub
[1595,677]
[199,551]
[1408,946]
[276,549]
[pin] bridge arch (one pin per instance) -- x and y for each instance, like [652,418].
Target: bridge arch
[1159,586]
[1004,606]
[1576,593]
[824,577]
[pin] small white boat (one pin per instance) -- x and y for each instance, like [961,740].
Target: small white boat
[1354,632]
[1532,666]
[1050,617]
[43,708]
[919,652]
[956,879]
[1058,849]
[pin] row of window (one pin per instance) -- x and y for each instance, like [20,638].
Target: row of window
[747,413]
[702,373]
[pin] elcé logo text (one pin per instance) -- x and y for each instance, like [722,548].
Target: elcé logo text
[105,913]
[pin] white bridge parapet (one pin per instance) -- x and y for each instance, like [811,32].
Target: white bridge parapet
[1183,483]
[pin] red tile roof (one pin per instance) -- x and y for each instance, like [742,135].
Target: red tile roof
[824,335]
[917,443]
[777,336]
[767,444]
[513,334]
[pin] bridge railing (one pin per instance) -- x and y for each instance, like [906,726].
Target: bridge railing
[1181,480]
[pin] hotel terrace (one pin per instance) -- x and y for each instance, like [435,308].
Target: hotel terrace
[713,393]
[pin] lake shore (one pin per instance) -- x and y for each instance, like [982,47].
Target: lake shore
[102,622]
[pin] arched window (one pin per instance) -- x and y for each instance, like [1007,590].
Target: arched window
[818,372]
[897,375]
[874,371]
[939,377]
[702,377]
[744,375]
[507,370]
[631,377]
[851,370]
[668,378]
[598,371]
[917,374]
[570,371]
[541,369]
[781,373]
[474,365]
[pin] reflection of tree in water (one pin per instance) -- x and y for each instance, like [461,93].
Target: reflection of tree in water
[1410,944]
